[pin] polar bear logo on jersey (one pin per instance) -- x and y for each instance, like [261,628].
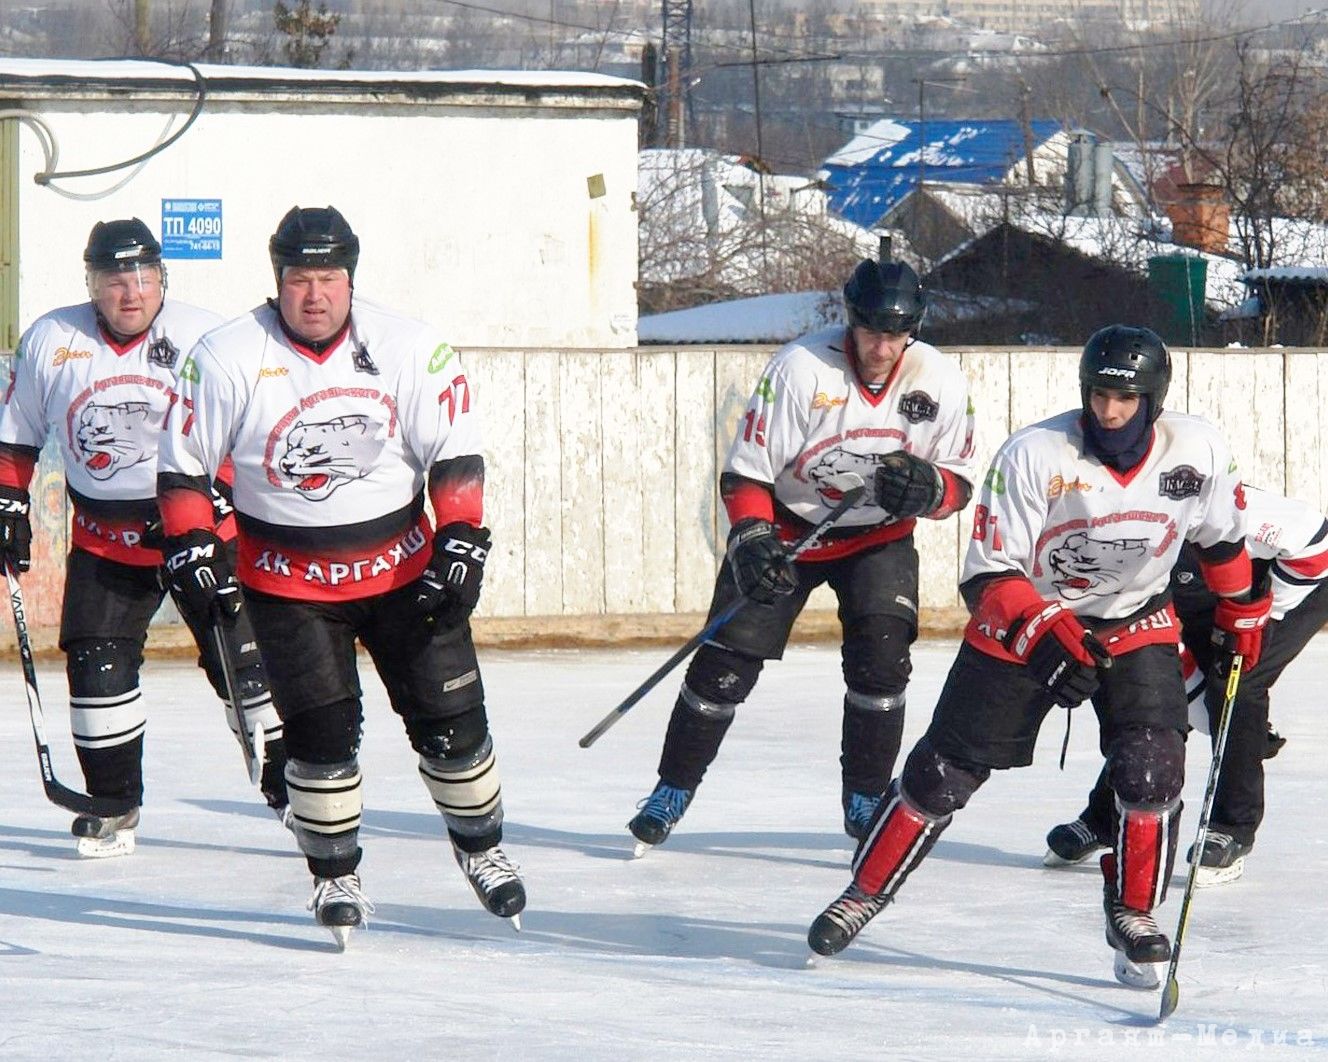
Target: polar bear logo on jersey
[837,461]
[324,455]
[112,437]
[1091,567]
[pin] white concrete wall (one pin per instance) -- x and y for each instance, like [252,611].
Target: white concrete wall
[477,218]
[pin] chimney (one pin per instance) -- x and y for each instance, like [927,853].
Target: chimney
[1079,176]
[1200,217]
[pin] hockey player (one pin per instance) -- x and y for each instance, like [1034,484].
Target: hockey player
[99,375]
[1289,539]
[870,399]
[340,419]
[1079,521]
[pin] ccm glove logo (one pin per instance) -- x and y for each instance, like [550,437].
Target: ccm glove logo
[466,549]
[191,555]
[13,507]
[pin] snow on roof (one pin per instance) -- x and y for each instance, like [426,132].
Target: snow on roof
[41,71]
[1311,274]
[880,165]
[780,318]
[762,319]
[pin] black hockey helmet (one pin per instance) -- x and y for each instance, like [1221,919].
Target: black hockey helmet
[118,246]
[1126,358]
[318,237]
[884,297]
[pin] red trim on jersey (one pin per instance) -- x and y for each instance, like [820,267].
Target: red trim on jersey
[184,510]
[748,498]
[956,494]
[889,850]
[851,349]
[334,574]
[16,468]
[835,548]
[458,500]
[114,540]
[1309,567]
[1230,577]
[121,347]
[1160,627]
[1002,603]
[1141,858]
[226,473]
[314,355]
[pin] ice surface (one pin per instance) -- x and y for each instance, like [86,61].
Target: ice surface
[199,946]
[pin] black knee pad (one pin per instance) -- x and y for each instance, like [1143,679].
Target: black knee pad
[875,655]
[102,667]
[721,676]
[1146,766]
[328,734]
[936,785]
[447,739]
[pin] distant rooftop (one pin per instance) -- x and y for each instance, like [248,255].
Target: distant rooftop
[882,164]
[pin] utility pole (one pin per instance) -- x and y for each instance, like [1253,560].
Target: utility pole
[676,51]
[142,33]
[216,46]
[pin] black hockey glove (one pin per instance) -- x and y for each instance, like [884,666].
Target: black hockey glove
[449,589]
[760,563]
[200,576]
[1059,653]
[908,486]
[15,529]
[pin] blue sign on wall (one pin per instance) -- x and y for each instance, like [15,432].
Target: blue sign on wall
[191,228]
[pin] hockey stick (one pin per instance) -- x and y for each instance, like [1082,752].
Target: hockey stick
[1171,991]
[851,494]
[60,795]
[253,746]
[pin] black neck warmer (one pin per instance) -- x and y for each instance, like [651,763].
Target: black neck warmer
[1124,447]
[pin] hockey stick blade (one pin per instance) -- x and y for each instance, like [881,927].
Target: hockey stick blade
[850,488]
[1171,989]
[58,794]
[250,746]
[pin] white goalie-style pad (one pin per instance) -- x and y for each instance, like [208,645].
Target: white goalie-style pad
[105,722]
[325,799]
[465,787]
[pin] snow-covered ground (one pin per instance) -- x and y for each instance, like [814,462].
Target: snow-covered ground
[199,947]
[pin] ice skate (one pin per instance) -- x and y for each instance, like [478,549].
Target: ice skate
[836,926]
[858,811]
[1071,843]
[1223,860]
[494,878]
[339,905]
[658,814]
[1136,939]
[106,838]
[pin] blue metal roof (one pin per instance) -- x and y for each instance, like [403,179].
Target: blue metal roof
[882,164]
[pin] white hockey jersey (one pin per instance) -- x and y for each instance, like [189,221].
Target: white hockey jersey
[331,451]
[106,403]
[1101,542]
[811,417]
[1294,536]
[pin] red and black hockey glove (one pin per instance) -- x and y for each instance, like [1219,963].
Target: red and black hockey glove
[760,564]
[1238,627]
[449,589]
[15,528]
[1059,652]
[200,576]
[908,486]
